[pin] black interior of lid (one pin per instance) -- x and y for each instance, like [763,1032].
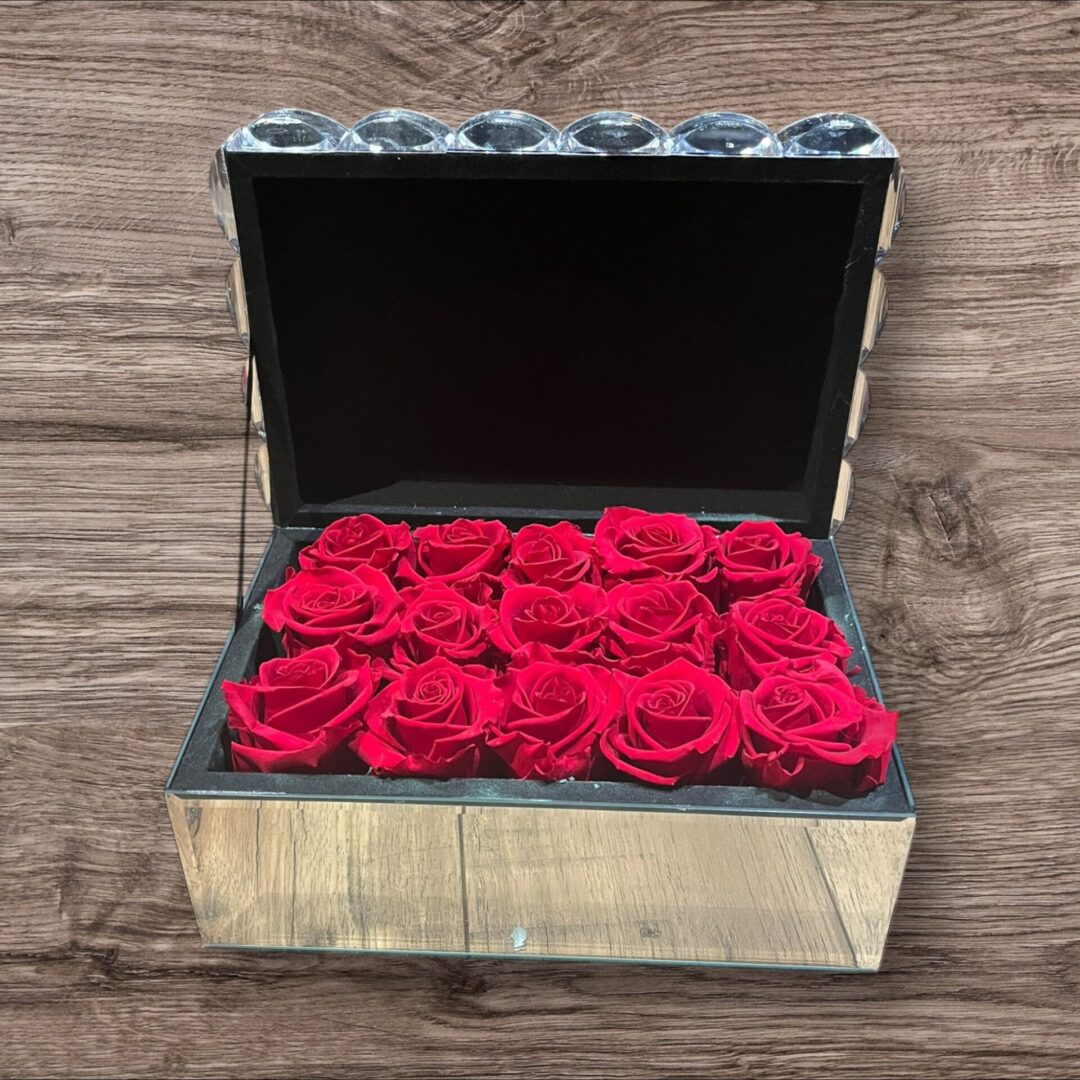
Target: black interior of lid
[552,335]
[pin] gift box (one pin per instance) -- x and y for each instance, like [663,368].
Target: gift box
[515,324]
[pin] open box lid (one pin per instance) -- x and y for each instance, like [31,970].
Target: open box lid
[542,335]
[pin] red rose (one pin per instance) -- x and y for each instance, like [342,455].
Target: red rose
[557,556]
[432,721]
[632,545]
[357,611]
[554,717]
[362,540]
[652,623]
[679,724]
[773,628]
[467,556]
[295,714]
[567,624]
[758,557]
[440,622]
[805,727]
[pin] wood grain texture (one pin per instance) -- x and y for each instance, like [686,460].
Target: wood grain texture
[120,424]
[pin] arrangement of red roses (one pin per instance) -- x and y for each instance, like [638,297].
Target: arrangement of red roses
[659,650]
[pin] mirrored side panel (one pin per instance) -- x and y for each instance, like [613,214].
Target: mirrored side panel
[542,882]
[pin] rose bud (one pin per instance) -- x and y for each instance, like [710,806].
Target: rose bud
[652,623]
[758,557]
[432,721]
[466,556]
[774,628]
[555,556]
[632,545]
[357,611]
[362,540]
[567,624]
[553,719]
[440,622]
[805,727]
[296,714]
[679,724]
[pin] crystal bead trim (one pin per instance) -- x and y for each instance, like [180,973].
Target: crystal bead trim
[288,131]
[835,135]
[860,405]
[845,490]
[893,214]
[236,300]
[877,311]
[262,472]
[506,131]
[725,134]
[258,421]
[398,131]
[614,133]
[221,197]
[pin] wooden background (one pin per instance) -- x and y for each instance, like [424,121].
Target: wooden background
[120,421]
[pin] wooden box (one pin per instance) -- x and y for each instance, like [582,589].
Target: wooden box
[530,337]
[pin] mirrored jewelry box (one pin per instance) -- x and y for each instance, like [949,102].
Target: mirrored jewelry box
[515,322]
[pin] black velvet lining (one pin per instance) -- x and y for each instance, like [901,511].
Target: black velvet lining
[616,333]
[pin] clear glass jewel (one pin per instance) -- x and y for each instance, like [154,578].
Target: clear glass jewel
[258,421]
[848,498]
[506,131]
[845,492]
[262,472]
[877,311]
[221,197]
[883,312]
[901,200]
[398,131]
[835,135]
[288,131]
[614,133]
[860,406]
[849,495]
[893,214]
[725,134]
[236,300]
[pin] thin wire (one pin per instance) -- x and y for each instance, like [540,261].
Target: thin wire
[249,389]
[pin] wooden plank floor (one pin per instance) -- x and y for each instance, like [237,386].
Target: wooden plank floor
[120,423]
